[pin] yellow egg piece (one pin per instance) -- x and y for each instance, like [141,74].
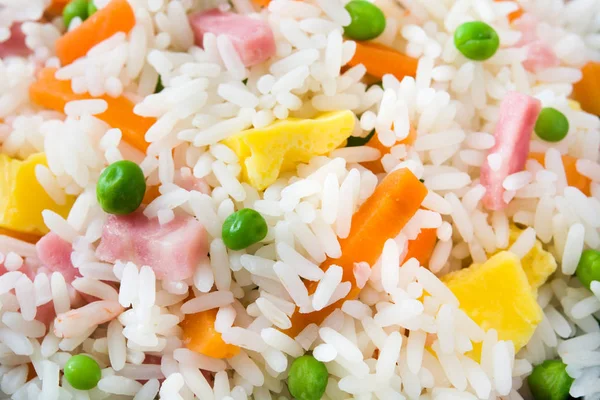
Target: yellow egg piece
[23,198]
[497,295]
[265,153]
[574,105]
[538,264]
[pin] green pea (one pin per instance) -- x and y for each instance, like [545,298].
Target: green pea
[307,379]
[82,372]
[368,21]
[244,228]
[121,188]
[476,40]
[551,125]
[550,381]
[76,8]
[91,10]
[588,269]
[354,141]
[159,86]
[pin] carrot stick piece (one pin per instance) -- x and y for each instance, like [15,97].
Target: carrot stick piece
[380,217]
[56,7]
[117,16]
[422,247]
[587,90]
[262,3]
[199,335]
[375,166]
[380,60]
[574,178]
[515,14]
[49,92]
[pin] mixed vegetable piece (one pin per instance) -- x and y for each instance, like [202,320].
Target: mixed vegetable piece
[550,381]
[244,228]
[307,378]
[51,93]
[82,372]
[368,21]
[476,40]
[81,9]
[121,188]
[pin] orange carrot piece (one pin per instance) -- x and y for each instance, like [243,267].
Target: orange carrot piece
[199,335]
[151,194]
[26,237]
[574,178]
[380,60]
[422,247]
[261,3]
[515,14]
[49,92]
[382,216]
[375,166]
[117,16]
[56,7]
[587,90]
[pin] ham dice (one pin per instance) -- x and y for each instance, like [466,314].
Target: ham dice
[252,38]
[539,55]
[55,255]
[15,44]
[518,114]
[172,250]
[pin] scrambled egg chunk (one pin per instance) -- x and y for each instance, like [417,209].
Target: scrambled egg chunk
[538,264]
[265,153]
[23,199]
[497,294]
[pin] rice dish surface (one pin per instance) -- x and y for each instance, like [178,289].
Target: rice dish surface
[404,202]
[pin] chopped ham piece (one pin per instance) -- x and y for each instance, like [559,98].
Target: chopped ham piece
[15,44]
[539,55]
[518,114]
[55,255]
[252,38]
[172,250]
[185,180]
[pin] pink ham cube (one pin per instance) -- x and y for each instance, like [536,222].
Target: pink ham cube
[518,114]
[55,255]
[15,44]
[172,250]
[539,55]
[252,38]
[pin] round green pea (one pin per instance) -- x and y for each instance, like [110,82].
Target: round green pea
[91,10]
[551,125]
[121,188]
[476,40]
[243,228]
[82,372]
[368,21]
[588,269]
[75,8]
[550,381]
[307,379]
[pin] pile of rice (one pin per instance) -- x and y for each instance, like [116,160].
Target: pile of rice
[452,104]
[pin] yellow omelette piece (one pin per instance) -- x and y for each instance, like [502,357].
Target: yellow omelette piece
[573,105]
[265,153]
[22,198]
[538,264]
[497,295]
